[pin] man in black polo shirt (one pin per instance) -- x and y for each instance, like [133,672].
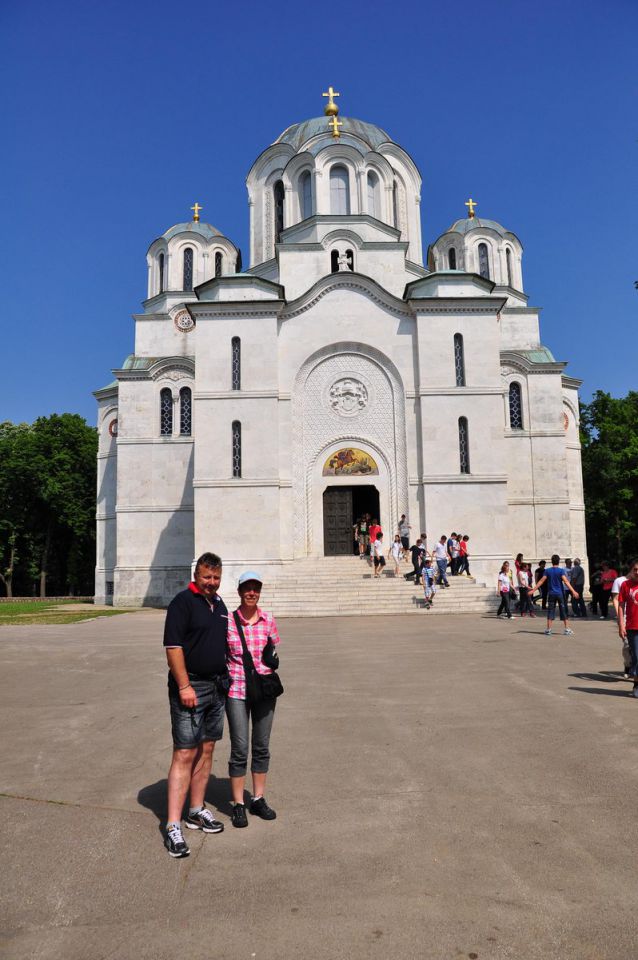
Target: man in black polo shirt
[195,640]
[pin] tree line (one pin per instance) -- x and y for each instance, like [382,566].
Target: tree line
[48,490]
[609,438]
[47,507]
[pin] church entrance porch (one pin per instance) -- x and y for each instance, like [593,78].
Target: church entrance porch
[342,507]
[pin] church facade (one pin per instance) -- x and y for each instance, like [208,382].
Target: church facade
[262,411]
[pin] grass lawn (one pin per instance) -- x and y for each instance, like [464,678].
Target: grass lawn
[58,611]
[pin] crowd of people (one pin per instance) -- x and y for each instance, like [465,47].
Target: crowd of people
[429,568]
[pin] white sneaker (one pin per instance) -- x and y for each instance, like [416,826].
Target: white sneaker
[567,632]
[548,633]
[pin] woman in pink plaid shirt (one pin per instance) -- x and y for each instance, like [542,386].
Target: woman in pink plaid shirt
[258,627]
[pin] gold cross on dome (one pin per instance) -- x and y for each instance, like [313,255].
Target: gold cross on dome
[335,124]
[196,208]
[331,109]
[471,204]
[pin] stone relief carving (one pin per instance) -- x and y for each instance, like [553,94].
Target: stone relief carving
[378,422]
[348,396]
[183,321]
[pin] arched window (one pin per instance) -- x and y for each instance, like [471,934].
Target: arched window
[166,412]
[305,194]
[185,412]
[278,193]
[334,261]
[395,204]
[339,190]
[459,360]
[374,196]
[160,267]
[484,263]
[235,347]
[238,263]
[350,259]
[464,446]
[451,258]
[236,449]
[218,264]
[516,406]
[508,261]
[188,269]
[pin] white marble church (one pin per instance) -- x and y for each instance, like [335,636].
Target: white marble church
[262,411]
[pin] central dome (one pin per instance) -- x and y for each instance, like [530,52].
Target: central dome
[299,133]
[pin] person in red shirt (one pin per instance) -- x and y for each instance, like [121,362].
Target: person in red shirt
[628,619]
[606,583]
[375,530]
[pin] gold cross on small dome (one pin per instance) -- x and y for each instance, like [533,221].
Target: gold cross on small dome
[335,124]
[331,109]
[471,204]
[196,208]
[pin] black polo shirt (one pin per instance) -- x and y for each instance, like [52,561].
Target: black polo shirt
[200,629]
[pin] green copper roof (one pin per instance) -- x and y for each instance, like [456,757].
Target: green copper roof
[538,355]
[300,133]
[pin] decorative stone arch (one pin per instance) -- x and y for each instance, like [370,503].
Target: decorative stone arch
[379,424]
[172,368]
[492,255]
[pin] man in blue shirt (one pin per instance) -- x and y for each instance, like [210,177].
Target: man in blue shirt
[558,583]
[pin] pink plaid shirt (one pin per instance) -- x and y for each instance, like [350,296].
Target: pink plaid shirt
[256,636]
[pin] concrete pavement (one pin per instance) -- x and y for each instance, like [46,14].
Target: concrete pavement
[445,787]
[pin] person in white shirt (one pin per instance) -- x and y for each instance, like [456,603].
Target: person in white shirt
[396,552]
[441,557]
[626,653]
[377,555]
[504,590]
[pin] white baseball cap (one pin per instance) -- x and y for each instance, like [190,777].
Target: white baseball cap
[249,575]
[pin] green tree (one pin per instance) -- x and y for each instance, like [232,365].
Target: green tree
[47,503]
[609,436]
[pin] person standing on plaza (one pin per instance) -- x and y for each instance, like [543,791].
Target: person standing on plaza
[404,533]
[626,653]
[396,553]
[595,588]
[260,634]
[628,619]
[557,581]
[195,634]
[577,581]
[504,590]
[607,578]
[441,556]
[525,604]
[538,576]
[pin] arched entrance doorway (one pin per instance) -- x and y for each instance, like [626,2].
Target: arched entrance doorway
[342,507]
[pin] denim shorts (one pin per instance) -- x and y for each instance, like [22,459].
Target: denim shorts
[553,600]
[193,725]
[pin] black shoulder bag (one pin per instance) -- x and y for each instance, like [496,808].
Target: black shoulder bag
[259,686]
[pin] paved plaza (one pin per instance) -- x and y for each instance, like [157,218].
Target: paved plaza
[446,787]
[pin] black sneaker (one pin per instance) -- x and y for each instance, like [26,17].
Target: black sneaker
[259,808]
[175,843]
[239,818]
[205,821]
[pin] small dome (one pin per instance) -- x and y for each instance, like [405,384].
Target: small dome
[299,133]
[476,223]
[206,230]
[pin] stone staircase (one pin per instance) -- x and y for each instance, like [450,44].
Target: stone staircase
[344,586]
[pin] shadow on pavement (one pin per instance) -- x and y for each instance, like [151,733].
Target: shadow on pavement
[603,676]
[605,693]
[154,797]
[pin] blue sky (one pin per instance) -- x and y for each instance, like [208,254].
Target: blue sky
[118,116]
